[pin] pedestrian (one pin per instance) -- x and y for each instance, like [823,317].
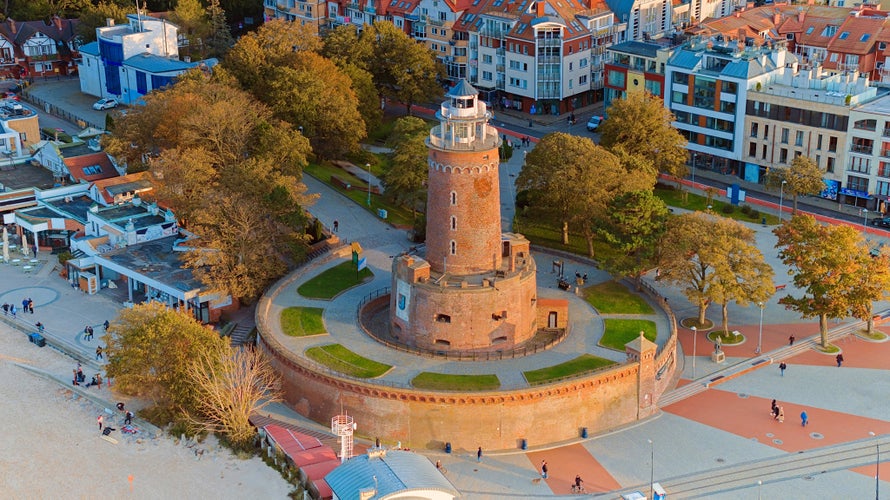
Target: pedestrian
[100,419]
[377,442]
[79,371]
[30,305]
[12,310]
[544,469]
[5,309]
[336,226]
[91,332]
[106,324]
[98,352]
[129,418]
[782,367]
[840,360]
[781,416]
[438,465]
[803,419]
[86,333]
[773,407]
[791,340]
[24,306]
[479,454]
[75,381]
[120,407]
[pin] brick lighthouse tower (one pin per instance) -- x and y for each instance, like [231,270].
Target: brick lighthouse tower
[475,289]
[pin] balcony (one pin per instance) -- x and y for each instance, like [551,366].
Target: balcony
[885,153]
[861,149]
[886,132]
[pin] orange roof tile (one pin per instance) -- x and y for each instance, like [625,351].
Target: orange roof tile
[91,167]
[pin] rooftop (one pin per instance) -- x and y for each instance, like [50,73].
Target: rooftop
[156,260]
[880,106]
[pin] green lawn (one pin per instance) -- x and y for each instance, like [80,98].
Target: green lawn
[621,331]
[541,233]
[396,215]
[302,321]
[611,297]
[341,359]
[675,198]
[333,281]
[582,364]
[725,339]
[445,382]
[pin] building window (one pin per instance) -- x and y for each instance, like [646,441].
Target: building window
[785,134]
[829,165]
[783,156]
[766,131]
[763,156]
[754,130]
[443,318]
[857,183]
[819,143]
[860,164]
[453,223]
[453,247]
[453,198]
[832,144]
[798,138]
[678,97]
[752,149]
[616,78]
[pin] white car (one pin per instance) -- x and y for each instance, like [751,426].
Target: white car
[594,123]
[105,104]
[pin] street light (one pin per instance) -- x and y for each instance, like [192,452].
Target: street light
[781,195]
[760,332]
[651,469]
[877,468]
[368,165]
[694,349]
[694,156]
[864,219]
[759,484]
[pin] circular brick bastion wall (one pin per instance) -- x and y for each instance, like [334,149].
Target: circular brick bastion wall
[496,420]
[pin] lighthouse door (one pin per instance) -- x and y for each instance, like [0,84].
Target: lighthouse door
[551,319]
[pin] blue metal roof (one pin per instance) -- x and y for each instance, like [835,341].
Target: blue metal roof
[151,63]
[91,48]
[621,8]
[462,89]
[685,59]
[395,472]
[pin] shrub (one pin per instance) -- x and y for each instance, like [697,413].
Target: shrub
[746,209]
[727,209]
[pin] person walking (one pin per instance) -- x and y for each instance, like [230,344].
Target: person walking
[782,367]
[30,305]
[781,416]
[336,226]
[5,309]
[106,324]
[791,340]
[773,409]
[129,418]
[12,310]
[840,360]
[98,352]
[544,469]
[803,419]
[100,420]
[479,454]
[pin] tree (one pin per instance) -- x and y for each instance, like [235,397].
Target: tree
[701,252]
[572,180]
[149,348]
[874,284]
[194,24]
[403,69]
[802,177]
[743,276]
[826,263]
[219,40]
[95,16]
[344,44]
[641,125]
[633,225]
[409,172]
[369,105]
[230,385]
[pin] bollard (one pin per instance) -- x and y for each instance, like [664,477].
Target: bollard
[584,432]
[523,444]
[448,447]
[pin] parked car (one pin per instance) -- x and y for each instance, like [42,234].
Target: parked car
[594,123]
[105,104]
[882,222]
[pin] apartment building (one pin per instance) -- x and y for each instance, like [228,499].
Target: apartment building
[638,66]
[866,179]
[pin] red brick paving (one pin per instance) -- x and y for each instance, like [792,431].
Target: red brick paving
[568,461]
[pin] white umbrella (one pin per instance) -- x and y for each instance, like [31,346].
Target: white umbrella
[5,245]
[24,243]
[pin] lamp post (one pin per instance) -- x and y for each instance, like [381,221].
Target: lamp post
[759,484]
[864,220]
[781,195]
[651,469]
[368,166]
[877,468]
[694,349]
[694,156]
[760,331]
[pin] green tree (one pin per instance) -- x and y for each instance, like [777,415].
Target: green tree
[369,105]
[404,70]
[641,125]
[230,386]
[874,284]
[219,40]
[743,276]
[826,264]
[149,349]
[95,16]
[571,180]
[194,24]
[406,179]
[633,225]
[802,177]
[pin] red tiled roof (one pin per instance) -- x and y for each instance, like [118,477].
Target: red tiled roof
[102,184]
[91,167]
[856,35]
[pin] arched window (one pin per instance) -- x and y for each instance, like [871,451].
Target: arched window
[454,197]
[453,223]
[453,247]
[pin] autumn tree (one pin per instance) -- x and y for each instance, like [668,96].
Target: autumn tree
[802,177]
[826,264]
[149,350]
[406,179]
[369,103]
[345,44]
[571,180]
[230,385]
[641,125]
[95,16]
[633,224]
[874,284]
[194,24]
[702,253]
[405,70]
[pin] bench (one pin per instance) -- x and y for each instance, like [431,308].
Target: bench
[340,182]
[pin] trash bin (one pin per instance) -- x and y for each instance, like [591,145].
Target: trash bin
[448,447]
[523,444]
[37,339]
[584,432]
[382,213]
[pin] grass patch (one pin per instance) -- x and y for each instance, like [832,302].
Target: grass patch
[333,281]
[874,335]
[612,297]
[690,201]
[302,321]
[690,322]
[446,382]
[830,349]
[727,338]
[540,232]
[582,364]
[338,358]
[619,332]
[396,215]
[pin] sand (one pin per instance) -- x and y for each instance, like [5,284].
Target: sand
[50,444]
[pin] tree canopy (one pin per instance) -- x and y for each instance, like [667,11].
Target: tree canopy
[874,284]
[802,177]
[633,225]
[641,126]
[209,146]
[94,16]
[406,179]
[827,266]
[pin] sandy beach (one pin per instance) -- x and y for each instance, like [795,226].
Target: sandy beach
[51,447]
